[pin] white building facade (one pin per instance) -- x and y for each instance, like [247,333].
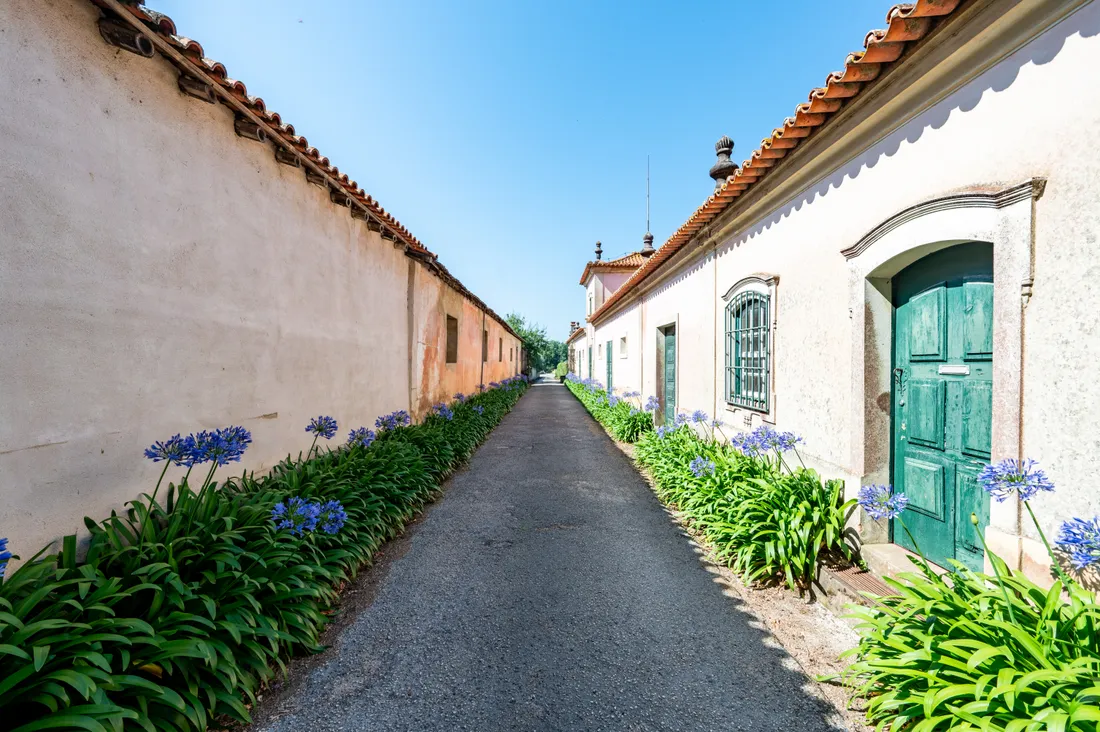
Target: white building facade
[904,273]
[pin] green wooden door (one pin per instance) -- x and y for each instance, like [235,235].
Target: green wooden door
[609,369]
[943,399]
[669,380]
[589,363]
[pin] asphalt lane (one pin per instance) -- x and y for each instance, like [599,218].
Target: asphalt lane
[548,590]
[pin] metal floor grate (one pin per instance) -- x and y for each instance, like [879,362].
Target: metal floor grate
[862,581]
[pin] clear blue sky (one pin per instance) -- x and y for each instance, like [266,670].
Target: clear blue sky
[510,135]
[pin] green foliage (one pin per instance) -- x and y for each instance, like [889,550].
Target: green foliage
[765,521]
[561,370]
[955,652]
[621,416]
[182,608]
[542,353]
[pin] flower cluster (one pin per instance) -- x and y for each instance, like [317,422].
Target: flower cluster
[880,501]
[361,437]
[511,383]
[699,417]
[716,423]
[481,387]
[332,517]
[681,420]
[764,440]
[632,394]
[663,432]
[393,420]
[1002,479]
[5,555]
[652,404]
[220,446]
[479,409]
[612,400]
[460,397]
[443,411]
[299,516]
[1081,540]
[494,384]
[322,427]
[700,466]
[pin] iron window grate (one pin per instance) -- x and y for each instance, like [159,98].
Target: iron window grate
[748,353]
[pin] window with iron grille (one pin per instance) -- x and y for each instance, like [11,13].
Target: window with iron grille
[748,350]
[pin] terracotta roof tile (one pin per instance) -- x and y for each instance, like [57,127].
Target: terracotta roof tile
[626,262]
[196,65]
[905,23]
[575,335]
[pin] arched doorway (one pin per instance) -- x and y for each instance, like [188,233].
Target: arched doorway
[942,405]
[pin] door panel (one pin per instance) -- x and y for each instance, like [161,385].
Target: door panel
[924,484]
[670,374]
[978,306]
[610,372]
[927,325]
[943,397]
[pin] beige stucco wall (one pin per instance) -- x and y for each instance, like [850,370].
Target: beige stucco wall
[1026,117]
[159,274]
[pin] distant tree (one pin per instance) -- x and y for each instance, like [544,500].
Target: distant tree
[544,354]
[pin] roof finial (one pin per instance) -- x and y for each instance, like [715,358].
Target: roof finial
[599,251]
[724,167]
[647,240]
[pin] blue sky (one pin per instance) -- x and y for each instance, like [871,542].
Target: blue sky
[510,136]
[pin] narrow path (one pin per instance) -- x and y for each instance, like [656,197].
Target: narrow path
[548,590]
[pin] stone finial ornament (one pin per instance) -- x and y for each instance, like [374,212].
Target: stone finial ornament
[725,167]
[599,251]
[647,245]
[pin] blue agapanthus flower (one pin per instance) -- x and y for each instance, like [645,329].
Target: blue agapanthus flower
[662,432]
[5,555]
[221,446]
[479,409]
[331,517]
[652,404]
[700,466]
[443,411]
[494,384]
[612,400]
[699,417]
[298,515]
[681,419]
[481,387]
[716,423]
[746,444]
[322,427]
[361,437]
[176,450]
[460,397]
[1002,479]
[1080,539]
[880,501]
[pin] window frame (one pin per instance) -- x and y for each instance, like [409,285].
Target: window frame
[450,352]
[750,386]
[485,346]
[622,347]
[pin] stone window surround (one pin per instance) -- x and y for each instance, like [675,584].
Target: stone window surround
[766,284]
[1003,217]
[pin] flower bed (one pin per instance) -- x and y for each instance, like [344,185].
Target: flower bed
[193,598]
[994,652]
[766,520]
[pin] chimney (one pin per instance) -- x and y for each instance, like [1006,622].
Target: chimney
[725,167]
[599,251]
[647,245]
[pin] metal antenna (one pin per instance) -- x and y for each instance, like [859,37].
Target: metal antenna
[647,240]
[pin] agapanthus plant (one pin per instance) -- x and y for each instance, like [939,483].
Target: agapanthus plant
[652,404]
[175,450]
[699,417]
[442,410]
[5,555]
[322,427]
[222,446]
[479,409]
[700,466]
[881,502]
[360,437]
[460,397]
[1080,539]
[331,517]
[1000,480]
[298,515]
[663,432]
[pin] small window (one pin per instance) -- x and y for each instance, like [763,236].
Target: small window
[500,349]
[484,345]
[591,302]
[748,350]
[452,340]
[510,358]
[622,347]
